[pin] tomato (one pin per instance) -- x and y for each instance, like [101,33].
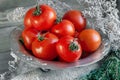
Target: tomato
[63,28]
[44,46]
[28,36]
[90,40]
[68,49]
[27,18]
[76,34]
[43,17]
[77,18]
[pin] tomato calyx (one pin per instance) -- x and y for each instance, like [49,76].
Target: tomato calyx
[73,46]
[40,37]
[37,12]
[21,40]
[58,20]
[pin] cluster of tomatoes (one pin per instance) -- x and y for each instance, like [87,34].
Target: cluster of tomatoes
[65,38]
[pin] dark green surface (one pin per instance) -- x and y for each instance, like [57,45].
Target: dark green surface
[109,70]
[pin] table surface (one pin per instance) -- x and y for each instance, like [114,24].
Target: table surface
[5,31]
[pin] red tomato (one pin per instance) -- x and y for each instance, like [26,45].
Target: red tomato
[90,40]
[76,34]
[63,28]
[27,21]
[43,17]
[77,18]
[28,35]
[68,49]
[44,47]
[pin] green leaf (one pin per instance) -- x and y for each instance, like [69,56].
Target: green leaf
[109,70]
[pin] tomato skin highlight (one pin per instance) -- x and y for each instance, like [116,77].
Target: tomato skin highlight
[64,51]
[28,36]
[45,49]
[77,18]
[63,28]
[45,19]
[90,40]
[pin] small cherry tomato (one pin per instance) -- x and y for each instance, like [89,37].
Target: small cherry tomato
[44,46]
[90,40]
[28,36]
[77,18]
[63,28]
[43,17]
[68,49]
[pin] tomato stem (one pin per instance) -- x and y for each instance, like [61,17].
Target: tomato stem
[40,38]
[58,20]
[37,12]
[21,40]
[73,46]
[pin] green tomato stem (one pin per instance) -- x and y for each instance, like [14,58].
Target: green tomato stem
[58,20]
[21,40]
[40,38]
[37,12]
[73,46]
